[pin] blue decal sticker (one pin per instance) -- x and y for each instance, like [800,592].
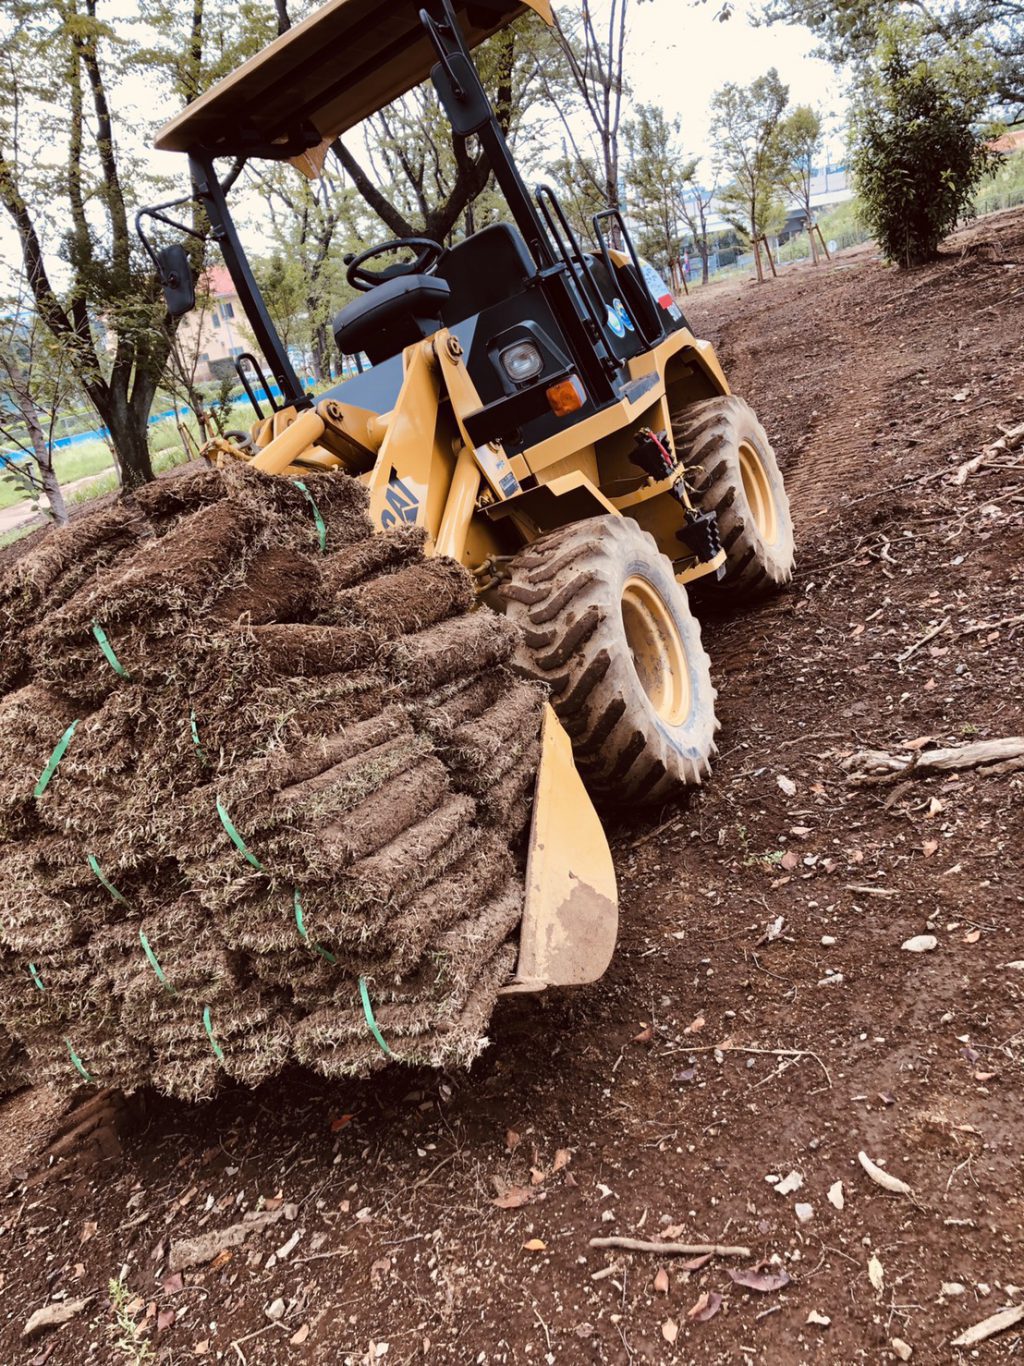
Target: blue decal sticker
[615,323]
[623,315]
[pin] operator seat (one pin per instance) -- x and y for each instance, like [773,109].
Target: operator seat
[391,316]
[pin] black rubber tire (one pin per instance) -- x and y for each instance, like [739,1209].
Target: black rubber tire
[566,592]
[709,437]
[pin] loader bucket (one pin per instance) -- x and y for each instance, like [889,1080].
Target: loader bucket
[571,914]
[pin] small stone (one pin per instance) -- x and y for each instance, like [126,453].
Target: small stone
[805,1213]
[834,980]
[53,1315]
[819,1320]
[789,1184]
[920,943]
[835,1195]
[902,1349]
[275,1310]
[827,940]
[951,1288]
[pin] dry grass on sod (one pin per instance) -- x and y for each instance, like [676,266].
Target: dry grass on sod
[264,787]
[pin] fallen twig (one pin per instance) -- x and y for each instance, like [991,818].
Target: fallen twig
[877,765]
[766,1052]
[883,1178]
[930,635]
[995,1323]
[1009,441]
[673,1249]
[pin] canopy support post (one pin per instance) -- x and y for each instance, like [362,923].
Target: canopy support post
[211,195]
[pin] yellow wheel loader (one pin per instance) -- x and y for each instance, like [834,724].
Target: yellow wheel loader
[539,406]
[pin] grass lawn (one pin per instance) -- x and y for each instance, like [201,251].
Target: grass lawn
[95,458]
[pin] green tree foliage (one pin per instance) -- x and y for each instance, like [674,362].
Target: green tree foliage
[653,179]
[71,179]
[850,31]
[918,152]
[800,134]
[750,153]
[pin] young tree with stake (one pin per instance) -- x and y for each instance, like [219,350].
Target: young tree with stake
[745,126]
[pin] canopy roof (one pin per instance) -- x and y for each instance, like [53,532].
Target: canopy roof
[344,62]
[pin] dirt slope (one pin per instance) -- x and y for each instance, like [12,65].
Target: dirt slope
[875,387]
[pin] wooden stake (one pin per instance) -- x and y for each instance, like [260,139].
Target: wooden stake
[828,254]
[673,1249]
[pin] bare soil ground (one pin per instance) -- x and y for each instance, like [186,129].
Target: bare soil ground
[448,1218]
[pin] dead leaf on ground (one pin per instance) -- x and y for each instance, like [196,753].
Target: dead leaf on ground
[787,785]
[299,1336]
[537,1177]
[707,1307]
[514,1198]
[535,1245]
[670,1330]
[929,847]
[563,1156]
[763,1281]
[164,1320]
[695,1025]
[695,1263]
[972,936]
[645,1036]
[512,1140]
[876,1274]
[790,860]
[671,1233]
[661,1282]
[88,1231]
[222,1258]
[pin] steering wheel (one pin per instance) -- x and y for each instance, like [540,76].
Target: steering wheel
[428,254]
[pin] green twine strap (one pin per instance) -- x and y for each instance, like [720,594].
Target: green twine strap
[321,529]
[35,976]
[77,1061]
[154,963]
[106,882]
[108,651]
[218,1051]
[54,760]
[304,936]
[195,735]
[368,1012]
[236,838]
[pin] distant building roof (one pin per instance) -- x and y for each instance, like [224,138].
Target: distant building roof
[1012,141]
[218,282]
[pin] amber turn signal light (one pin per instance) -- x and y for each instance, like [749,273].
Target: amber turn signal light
[566,397]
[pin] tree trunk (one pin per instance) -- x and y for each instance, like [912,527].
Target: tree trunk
[814,245]
[129,433]
[704,272]
[41,448]
[757,262]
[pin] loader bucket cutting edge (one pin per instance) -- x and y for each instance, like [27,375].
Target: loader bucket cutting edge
[571,913]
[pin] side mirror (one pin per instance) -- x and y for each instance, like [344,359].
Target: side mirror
[176,281]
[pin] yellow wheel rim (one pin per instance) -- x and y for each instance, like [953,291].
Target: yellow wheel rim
[657,650]
[758,492]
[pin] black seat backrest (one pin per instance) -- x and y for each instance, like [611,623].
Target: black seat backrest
[492,265]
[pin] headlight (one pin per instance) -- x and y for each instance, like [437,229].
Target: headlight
[521,361]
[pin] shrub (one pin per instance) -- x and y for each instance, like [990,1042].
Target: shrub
[918,151]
